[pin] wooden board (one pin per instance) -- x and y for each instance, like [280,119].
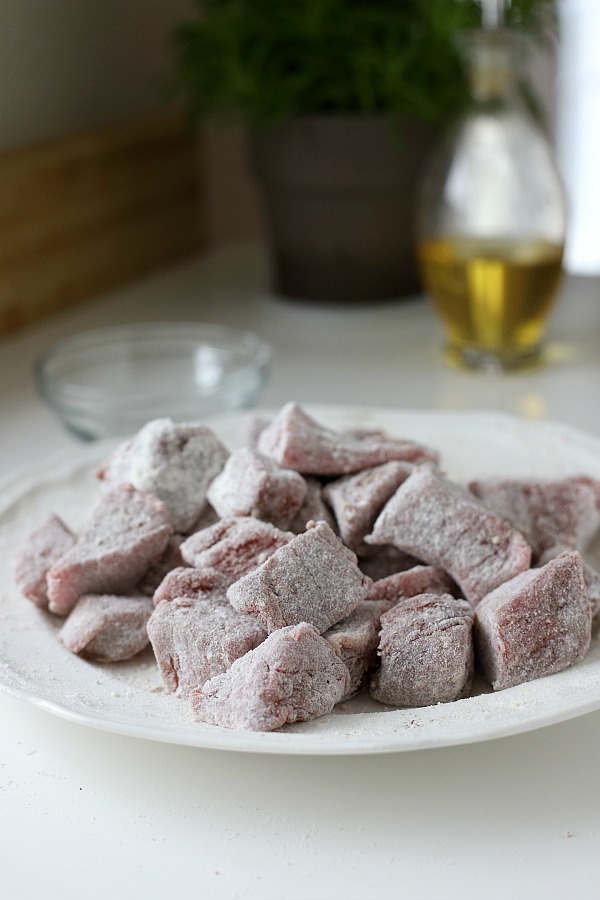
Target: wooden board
[81,215]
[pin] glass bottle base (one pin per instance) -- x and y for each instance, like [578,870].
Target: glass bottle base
[480,360]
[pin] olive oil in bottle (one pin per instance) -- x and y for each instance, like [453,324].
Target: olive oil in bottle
[492,218]
[493,296]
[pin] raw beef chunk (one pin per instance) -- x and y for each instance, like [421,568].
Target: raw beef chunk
[295,440]
[444,525]
[253,485]
[37,554]
[294,676]
[548,513]
[234,546]
[176,463]
[418,580]
[107,628]
[127,532]
[358,499]
[193,584]
[313,509]
[312,579]
[193,640]
[534,625]
[426,652]
[355,641]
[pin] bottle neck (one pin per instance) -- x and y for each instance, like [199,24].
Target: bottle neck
[493,62]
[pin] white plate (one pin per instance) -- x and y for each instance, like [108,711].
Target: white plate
[128,698]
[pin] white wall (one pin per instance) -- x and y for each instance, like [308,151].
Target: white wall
[578,130]
[71,65]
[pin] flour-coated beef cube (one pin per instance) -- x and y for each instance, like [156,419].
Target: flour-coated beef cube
[383,560]
[127,532]
[313,578]
[195,639]
[426,652]
[207,517]
[417,580]
[593,483]
[170,559]
[507,499]
[37,554]
[535,624]
[293,676]
[107,628]
[253,485]
[355,641]
[295,440]
[175,462]
[313,509]
[358,499]
[548,513]
[235,545]
[185,581]
[590,575]
[367,433]
[444,525]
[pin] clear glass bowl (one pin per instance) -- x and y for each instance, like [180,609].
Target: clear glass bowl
[111,381]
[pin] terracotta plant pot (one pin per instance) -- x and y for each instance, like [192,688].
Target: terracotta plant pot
[339,201]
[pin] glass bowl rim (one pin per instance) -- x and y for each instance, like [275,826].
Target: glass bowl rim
[59,391]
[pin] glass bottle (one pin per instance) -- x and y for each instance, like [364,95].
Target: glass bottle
[491,224]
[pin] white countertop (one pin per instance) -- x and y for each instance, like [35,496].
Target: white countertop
[89,815]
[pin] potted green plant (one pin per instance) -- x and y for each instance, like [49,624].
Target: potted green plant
[341,100]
